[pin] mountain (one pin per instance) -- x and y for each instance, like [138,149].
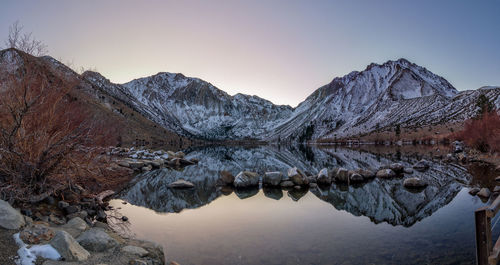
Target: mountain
[191,106]
[110,108]
[377,98]
[174,109]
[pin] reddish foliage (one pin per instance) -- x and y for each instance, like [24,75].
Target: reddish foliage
[47,137]
[482,133]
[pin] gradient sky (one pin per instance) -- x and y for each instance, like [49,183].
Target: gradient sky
[278,50]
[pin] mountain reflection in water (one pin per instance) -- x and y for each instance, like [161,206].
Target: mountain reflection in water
[381,200]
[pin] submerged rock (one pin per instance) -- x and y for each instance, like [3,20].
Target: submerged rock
[386,173]
[272,178]
[246,179]
[10,218]
[297,176]
[324,177]
[181,184]
[474,191]
[414,183]
[273,193]
[226,177]
[422,165]
[342,175]
[247,192]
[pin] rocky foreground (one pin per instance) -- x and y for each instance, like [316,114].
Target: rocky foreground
[73,242]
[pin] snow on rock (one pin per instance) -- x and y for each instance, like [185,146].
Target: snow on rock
[27,255]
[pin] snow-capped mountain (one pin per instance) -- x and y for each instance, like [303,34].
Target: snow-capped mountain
[379,97]
[194,107]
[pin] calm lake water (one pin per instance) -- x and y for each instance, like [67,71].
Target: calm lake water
[378,222]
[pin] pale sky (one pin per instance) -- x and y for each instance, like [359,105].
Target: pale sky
[278,50]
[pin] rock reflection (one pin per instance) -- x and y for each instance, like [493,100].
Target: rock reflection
[382,200]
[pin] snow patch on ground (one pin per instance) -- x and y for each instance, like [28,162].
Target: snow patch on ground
[27,255]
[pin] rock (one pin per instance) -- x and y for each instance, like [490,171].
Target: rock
[408,170]
[297,193]
[272,178]
[194,160]
[37,234]
[135,251]
[138,262]
[124,218]
[71,209]
[273,193]
[226,177]
[96,239]
[484,192]
[101,216]
[422,165]
[81,214]
[136,164]
[414,183]
[181,184]
[312,179]
[397,168]
[158,163]
[324,177]
[68,247]
[474,191]
[10,218]
[496,189]
[458,147]
[123,163]
[287,184]
[56,220]
[450,158]
[296,176]
[62,204]
[385,173]
[365,173]
[75,226]
[355,177]
[497,179]
[246,179]
[246,192]
[342,175]
[462,157]
[313,185]
[179,154]
[146,168]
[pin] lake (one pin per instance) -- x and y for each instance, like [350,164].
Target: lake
[377,222]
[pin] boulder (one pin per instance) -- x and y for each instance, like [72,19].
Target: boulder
[287,184]
[355,177]
[37,234]
[273,192]
[385,173]
[342,175]
[246,179]
[226,177]
[414,183]
[272,178]
[68,247]
[124,163]
[484,192]
[10,218]
[365,173]
[422,165]
[297,176]
[96,239]
[158,163]
[181,184]
[135,251]
[397,168]
[324,177]
[136,164]
[474,191]
[75,226]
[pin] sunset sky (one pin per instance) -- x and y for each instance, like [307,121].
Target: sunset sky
[278,50]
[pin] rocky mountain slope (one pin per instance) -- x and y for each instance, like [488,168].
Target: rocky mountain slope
[380,97]
[376,99]
[113,111]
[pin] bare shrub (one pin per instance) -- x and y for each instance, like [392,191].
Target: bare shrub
[482,133]
[24,41]
[47,137]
